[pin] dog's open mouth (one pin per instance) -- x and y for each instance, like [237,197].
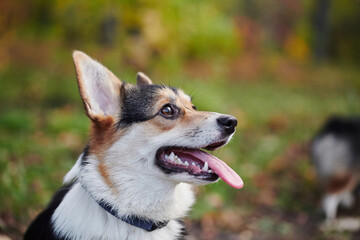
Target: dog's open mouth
[198,163]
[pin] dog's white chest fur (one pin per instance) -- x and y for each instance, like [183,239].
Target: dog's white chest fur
[80,217]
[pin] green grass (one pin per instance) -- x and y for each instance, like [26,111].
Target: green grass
[43,130]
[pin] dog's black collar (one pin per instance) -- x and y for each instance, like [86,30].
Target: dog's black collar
[143,223]
[146,224]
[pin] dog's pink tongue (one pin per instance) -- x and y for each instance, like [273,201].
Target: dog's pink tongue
[220,168]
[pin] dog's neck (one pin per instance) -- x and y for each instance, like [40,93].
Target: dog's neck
[142,196]
[134,192]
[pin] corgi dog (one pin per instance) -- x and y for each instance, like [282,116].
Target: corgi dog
[336,153]
[134,179]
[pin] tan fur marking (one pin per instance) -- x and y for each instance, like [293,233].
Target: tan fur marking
[161,124]
[188,114]
[185,99]
[340,183]
[105,174]
[191,116]
[103,134]
[165,96]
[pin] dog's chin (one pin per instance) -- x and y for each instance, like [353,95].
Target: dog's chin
[188,164]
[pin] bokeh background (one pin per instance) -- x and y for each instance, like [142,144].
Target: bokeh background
[281,67]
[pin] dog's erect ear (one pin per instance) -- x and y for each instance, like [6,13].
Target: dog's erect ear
[99,88]
[142,79]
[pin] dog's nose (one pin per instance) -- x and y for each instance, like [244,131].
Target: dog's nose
[227,123]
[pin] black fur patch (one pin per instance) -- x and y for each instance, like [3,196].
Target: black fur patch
[183,231]
[174,90]
[137,104]
[41,228]
[85,155]
[344,128]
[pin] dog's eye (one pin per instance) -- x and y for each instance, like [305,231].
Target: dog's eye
[167,110]
[194,107]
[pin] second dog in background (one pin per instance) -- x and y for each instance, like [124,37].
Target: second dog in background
[336,153]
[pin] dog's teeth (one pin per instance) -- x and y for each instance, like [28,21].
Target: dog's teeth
[206,167]
[172,157]
[210,171]
[178,160]
[166,156]
[193,164]
[186,163]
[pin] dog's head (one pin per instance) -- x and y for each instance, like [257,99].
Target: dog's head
[147,130]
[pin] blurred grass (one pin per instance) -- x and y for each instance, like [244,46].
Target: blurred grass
[251,59]
[43,130]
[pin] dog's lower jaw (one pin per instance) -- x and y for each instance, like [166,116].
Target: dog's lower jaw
[80,217]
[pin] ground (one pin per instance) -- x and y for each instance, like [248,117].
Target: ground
[280,105]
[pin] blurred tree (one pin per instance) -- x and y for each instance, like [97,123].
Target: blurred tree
[321,29]
[187,30]
[13,14]
[344,34]
[108,30]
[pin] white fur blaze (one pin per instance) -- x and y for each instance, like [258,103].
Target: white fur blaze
[99,88]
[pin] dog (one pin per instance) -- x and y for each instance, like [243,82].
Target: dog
[336,153]
[134,179]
